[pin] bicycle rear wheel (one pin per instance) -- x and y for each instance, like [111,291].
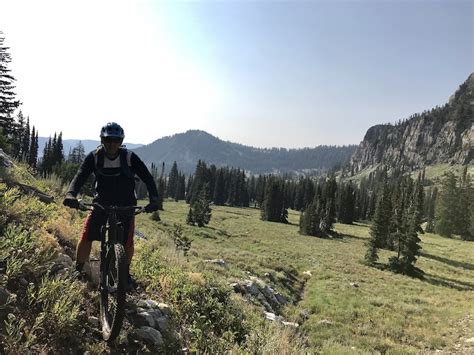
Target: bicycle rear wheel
[113,291]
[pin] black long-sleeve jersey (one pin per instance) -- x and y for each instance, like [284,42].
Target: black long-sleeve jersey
[114,184]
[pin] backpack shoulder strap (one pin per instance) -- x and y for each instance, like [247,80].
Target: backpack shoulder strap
[99,158]
[125,163]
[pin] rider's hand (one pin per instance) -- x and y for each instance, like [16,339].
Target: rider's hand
[71,201]
[151,207]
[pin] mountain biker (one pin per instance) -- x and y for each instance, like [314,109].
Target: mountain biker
[114,168]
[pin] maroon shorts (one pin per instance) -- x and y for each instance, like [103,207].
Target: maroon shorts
[96,219]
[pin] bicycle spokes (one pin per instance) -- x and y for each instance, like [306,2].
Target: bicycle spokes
[113,291]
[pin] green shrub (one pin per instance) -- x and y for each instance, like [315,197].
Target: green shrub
[209,319]
[23,254]
[31,212]
[46,313]
[7,198]
[13,340]
[57,304]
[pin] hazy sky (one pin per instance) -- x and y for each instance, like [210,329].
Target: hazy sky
[261,73]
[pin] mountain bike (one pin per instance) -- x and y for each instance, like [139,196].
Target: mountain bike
[113,267]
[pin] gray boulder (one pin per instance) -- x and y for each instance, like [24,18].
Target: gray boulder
[5,160]
[147,335]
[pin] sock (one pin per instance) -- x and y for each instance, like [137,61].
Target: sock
[79,266]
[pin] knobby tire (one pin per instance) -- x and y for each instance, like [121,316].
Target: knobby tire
[114,273]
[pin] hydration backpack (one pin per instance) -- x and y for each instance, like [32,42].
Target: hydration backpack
[125,160]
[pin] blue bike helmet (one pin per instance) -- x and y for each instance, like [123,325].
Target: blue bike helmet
[112,130]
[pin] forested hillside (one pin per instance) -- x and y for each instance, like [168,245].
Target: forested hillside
[187,148]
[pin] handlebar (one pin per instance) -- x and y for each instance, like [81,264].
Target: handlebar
[85,206]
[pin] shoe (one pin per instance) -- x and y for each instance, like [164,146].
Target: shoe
[131,284]
[79,276]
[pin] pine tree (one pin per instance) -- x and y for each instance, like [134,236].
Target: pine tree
[260,190]
[244,199]
[154,172]
[310,219]
[8,102]
[33,152]
[160,184]
[411,246]
[17,135]
[380,228]
[308,192]
[347,204]
[430,214]
[172,181]
[200,210]
[371,205]
[329,201]
[398,221]
[273,207]
[189,188]
[77,154]
[181,188]
[446,213]
[299,196]
[25,143]
[464,207]
[46,166]
[371,255]
[58,153]
[232,191]
[252,185]
[201,177]
[418,203]
[219,188]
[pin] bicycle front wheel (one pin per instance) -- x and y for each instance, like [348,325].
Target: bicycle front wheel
[113,291]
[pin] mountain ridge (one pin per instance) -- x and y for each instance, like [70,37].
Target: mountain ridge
[441,135]
[89,145]
[193,145]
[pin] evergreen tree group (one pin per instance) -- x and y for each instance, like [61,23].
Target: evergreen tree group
[16,138]
[455,207]
[396,224]
[24,142]
[319,217]
[274,207]
[53,156]
[226,185]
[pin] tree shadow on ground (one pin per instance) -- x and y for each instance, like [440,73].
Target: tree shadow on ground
[429,278]
[447,282]
[454,263]
[220,232]
[337,235]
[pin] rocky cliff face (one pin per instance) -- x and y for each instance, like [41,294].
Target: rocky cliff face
[441,135]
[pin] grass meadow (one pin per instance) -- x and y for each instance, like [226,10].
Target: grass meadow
[345,306]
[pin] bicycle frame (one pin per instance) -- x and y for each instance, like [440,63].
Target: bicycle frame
[112,245]
[112,231]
